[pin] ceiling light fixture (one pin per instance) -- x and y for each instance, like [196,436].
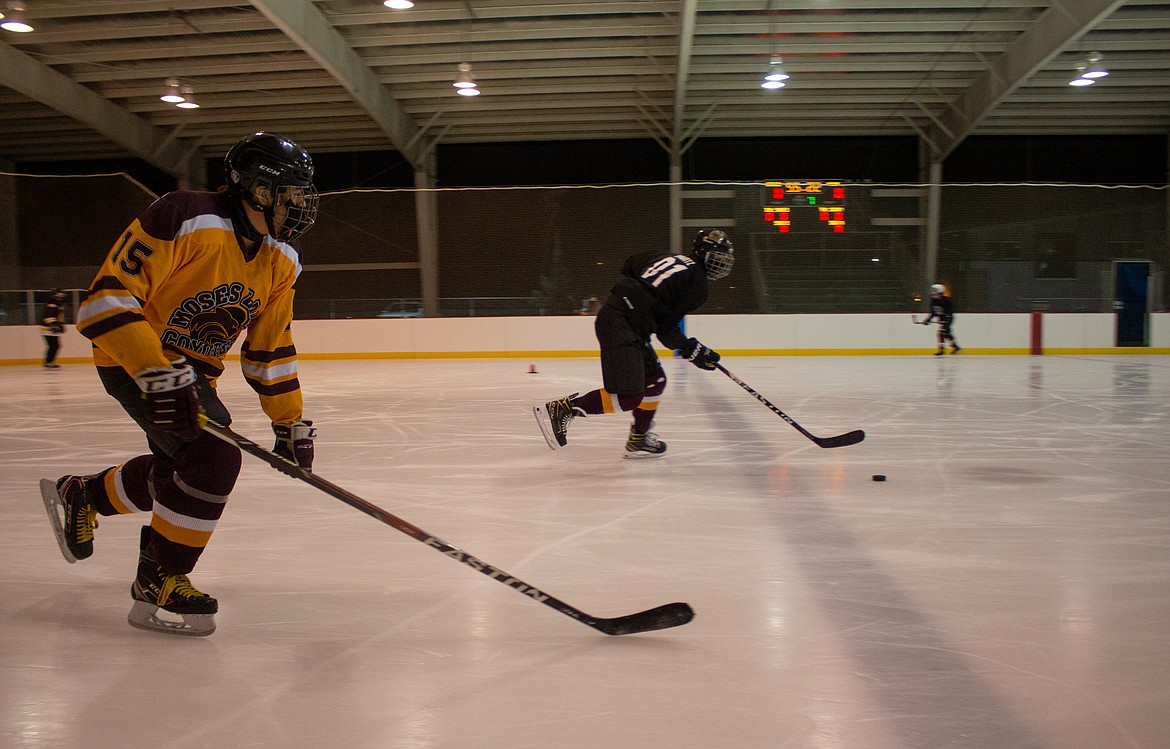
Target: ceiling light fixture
[14,19]
[1093,67]
[776,75]
[1089,70]
[188,101]
[398,4]
[464,82]
[170,92]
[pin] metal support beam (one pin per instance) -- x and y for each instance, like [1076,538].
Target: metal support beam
[22,73]
[676,203]
[923,136]
[682,73]
[303,23]
[9,230]
[930,172]
[686,42]
[427,221]
[1060,25]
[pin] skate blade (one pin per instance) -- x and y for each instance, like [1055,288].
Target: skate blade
[52,503]
[643,455]
[544,421]
[145,616]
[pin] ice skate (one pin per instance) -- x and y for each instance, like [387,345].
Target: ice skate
[644,445]
[155,591]
[553,418]
[71,514]
[955,348]
[940,352]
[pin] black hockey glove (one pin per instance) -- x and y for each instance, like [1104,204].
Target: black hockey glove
[294,442]
[172,399]
[699,355]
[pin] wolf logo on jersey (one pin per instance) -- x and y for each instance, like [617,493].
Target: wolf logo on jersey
[220,325]
[222,295]
[212,332]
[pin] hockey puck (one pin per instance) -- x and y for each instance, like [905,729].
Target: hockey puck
[879,477]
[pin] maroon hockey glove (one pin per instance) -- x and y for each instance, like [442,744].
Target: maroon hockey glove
[294,442]
[172,399]
[699,355]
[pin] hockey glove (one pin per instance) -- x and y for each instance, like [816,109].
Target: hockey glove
[57,328]
[699,355]
[172,399]
[294,442]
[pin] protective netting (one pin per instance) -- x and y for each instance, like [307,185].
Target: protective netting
[54,232]
[801,245]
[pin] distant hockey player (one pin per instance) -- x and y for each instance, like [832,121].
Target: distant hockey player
[53,327]
[655,292]
[189,275]
[942,308]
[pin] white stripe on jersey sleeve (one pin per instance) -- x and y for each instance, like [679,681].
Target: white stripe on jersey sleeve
[204,221]
[96,306]
[288,251]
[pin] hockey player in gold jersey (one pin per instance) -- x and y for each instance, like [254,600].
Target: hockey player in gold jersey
[191,274]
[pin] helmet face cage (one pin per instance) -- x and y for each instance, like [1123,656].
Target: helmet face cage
[275,176]
[937,289]
[714,247]
[294,210]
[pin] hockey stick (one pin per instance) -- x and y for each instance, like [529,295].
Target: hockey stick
[841,440]
[662,617]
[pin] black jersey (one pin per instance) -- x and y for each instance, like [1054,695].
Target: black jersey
[942,308]
[656,290]
[53,319]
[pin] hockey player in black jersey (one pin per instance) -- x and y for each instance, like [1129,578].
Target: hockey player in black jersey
[942,308]
[655,292]
[53,327]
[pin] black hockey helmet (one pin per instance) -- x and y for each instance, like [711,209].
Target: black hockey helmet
[713,247]
[271,173]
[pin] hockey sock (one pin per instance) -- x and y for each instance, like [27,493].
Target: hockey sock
[589,403]
[189,504]
[105,495]
[601,401]
[643,418]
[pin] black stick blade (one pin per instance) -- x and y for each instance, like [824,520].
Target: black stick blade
[842,440]
[662,617]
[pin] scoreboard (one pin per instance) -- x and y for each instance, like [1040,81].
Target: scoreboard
[782,201]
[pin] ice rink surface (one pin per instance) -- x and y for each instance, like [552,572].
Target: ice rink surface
[1007,587]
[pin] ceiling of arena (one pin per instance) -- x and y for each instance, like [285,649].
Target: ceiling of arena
[352,75]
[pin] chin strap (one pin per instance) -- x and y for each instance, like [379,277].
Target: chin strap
[243,226]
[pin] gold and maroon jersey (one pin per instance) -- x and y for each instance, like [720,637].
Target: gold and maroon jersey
[176,283]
